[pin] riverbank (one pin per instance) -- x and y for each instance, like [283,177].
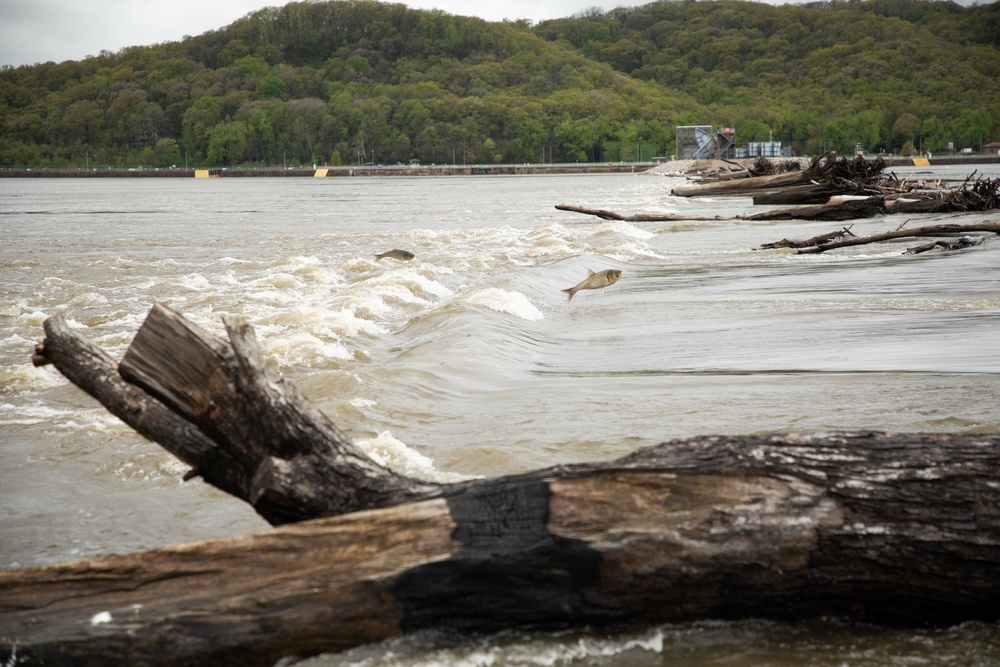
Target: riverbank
[671,167]
[337,172]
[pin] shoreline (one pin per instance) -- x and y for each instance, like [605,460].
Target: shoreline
[671,166]
[336,172]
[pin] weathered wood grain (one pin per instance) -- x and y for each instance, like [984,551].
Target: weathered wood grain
[892,529]
[900,529]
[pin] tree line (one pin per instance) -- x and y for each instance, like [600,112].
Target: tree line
[359,81]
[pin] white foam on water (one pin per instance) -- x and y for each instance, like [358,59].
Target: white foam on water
[87,300]
[29,414]
[193,281]
[625,251]
[541,650]
[33,319]
[502,301]
[304,348]
[416,282]
[297,262]
[25,378]
[320,275]
[394,453]
[226,278]
[233,260]
[626,229]
[278,281]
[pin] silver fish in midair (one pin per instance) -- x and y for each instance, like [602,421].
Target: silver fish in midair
[598,280]
[396,253]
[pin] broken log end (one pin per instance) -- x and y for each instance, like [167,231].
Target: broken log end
[38,358]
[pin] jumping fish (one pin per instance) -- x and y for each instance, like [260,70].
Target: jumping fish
[598,280]
[396,253]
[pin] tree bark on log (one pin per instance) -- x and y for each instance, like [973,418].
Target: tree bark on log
[219,408]
[638,217]
[950,229]
[813,241]
[894,529]
[797,195]
[743,185]
[847,209]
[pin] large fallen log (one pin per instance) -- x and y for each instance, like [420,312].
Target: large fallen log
[604,214]
[845,208]
[843,238]
[798,195]
[743,185]
[218,407]
[893,529]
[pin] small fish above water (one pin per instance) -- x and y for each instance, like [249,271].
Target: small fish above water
[598,280]
[396,253]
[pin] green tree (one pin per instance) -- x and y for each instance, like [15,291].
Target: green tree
[82,123]
[135,119]
[197,121]
[858,71]
[754,130]
[261,136]
[306,118]
[271,87]
[974,126]
[166,153]
[570,140]
[905,129]
[227,143]
[936,135]
[529,137]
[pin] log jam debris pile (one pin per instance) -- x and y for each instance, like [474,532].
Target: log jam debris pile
[834,188]
[832,181]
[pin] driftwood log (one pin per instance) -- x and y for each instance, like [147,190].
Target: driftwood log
[762,177]
[637,217]
[797,195]
[840,208]
[868,201]
[844,238]
[743,185]
[894,529]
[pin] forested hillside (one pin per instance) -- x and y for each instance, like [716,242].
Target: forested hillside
[358,81]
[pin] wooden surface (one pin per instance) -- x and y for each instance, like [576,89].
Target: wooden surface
[899,529]
[742,185]
[218,407]
[892,529]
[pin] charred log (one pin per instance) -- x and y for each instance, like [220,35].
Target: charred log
[892,529]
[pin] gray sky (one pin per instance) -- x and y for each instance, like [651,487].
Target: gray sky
[37,31]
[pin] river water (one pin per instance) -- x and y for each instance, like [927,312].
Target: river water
[468,360]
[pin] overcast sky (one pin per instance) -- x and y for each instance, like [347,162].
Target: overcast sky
[37,31]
